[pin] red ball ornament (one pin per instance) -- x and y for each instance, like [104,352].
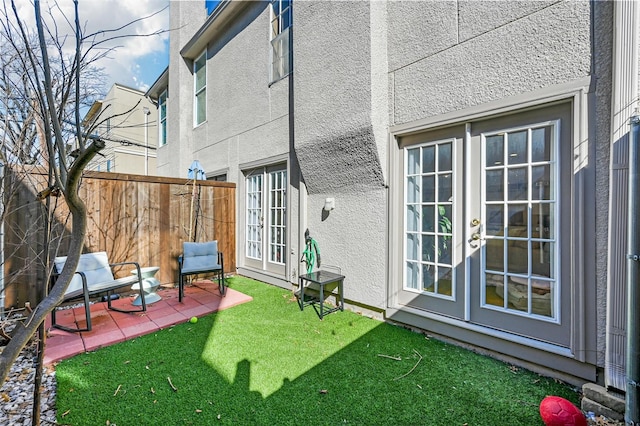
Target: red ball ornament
[556,411]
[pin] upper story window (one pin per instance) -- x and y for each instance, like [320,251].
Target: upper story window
[162,118]
[281,17]
[200,89]
[211,5]
[218,178]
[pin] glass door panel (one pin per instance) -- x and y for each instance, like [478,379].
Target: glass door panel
[266,219]
[277,216]
[433,279]
[515,277]
[254,217]
[519,269]
[482,236]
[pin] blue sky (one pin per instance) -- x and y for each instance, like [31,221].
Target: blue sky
[148,68]
[136,61]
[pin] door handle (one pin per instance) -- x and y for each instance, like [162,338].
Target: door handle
[475,238]
[475,222]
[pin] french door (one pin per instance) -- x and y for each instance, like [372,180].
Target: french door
[266,210]
[483,238]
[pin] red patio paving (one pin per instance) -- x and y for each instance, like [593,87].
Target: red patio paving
[110,327]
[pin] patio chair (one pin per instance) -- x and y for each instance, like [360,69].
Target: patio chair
[200,258]
[93,276]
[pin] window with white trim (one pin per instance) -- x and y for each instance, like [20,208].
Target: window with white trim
[254,216]
[162,118]
[200,89]
[281,17]
[429,213]
[520,193]
[266,217]
[277,215]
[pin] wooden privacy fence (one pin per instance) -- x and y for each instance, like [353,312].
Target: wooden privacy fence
[131,217]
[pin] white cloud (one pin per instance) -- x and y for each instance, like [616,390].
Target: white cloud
[137,59]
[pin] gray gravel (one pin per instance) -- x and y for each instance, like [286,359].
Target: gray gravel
[16,394]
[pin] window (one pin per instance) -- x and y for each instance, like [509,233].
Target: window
[200,89]
[280,39]
[429,213]
[162,113]
[254,216]
[266,215]
[211,5]
[277,215]
[218,178]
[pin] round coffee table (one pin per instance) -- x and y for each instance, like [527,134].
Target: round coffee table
[149,285]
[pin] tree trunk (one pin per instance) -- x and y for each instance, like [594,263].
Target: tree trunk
[24,331]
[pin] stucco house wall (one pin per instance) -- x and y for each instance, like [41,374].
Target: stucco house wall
[340,115]
[174,158]
[481,52]
[368,76]
[121,120]
[247,117]
[471,62]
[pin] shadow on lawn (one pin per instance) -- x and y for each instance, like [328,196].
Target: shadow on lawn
[267,363]
[426,382]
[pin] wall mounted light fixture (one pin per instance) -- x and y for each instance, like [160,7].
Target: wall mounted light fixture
[329,204]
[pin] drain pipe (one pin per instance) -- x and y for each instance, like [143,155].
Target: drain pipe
[2,297]
[632,410]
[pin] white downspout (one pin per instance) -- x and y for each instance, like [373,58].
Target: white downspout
[624,100]
[2,296]
[146,113]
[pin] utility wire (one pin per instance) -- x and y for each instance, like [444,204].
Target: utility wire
[124,142]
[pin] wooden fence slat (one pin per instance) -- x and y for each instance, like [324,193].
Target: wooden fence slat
[131,217]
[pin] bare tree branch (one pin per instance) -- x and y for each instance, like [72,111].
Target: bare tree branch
[42,88]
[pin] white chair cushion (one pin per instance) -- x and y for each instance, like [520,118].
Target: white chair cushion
[95,267]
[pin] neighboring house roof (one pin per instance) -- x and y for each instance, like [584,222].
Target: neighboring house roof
[95,109]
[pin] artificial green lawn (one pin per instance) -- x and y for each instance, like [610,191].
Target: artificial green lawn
[267,363]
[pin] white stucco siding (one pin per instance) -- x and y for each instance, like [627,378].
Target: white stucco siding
[252,145]
[478,17]
[418,30]
[247,119]
[547,47]
[174,158]
[348,237]
[334,137]
[603,46]
[238,92]
[340,114]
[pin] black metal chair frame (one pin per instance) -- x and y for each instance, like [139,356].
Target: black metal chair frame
[219,274]
[97,289]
